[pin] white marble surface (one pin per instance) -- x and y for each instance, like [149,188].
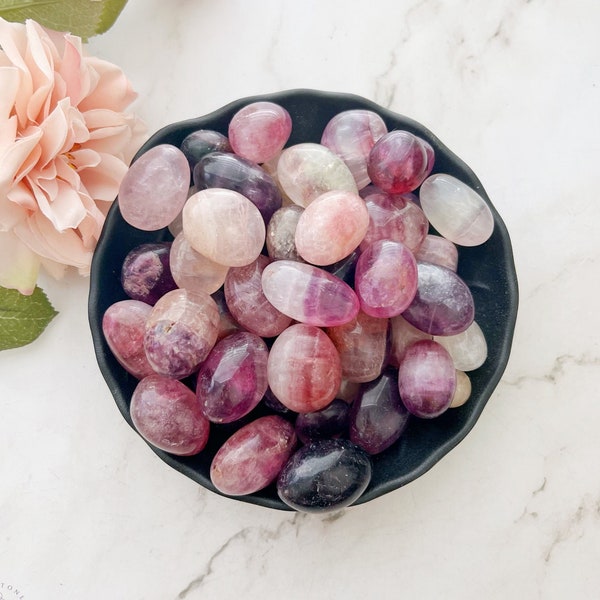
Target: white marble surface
[513,87]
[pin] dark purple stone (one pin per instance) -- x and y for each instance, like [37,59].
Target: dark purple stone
[329,422]
[200,143]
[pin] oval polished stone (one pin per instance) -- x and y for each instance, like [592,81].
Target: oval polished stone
[154,189]
[166,414]
[180,332]
[281,233]
[463,390]
[399,162]
[224,226]
[304,370]
[443,304]
[253,456]
[247,302]
[124,326]
[309,294]
[467,349]
[378,417]
[199,143]
[426,379]
[308,170]
[324,476]
[193,271]
[329,422]
[362,346]
[351,134]
[146,272]
[331,227]
[439,251]
[223,170]
[233,378]
[403,335]
[395,217]
[457,211]
[385,278]
[259,130]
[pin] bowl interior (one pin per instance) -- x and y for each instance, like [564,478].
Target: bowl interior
[487,269]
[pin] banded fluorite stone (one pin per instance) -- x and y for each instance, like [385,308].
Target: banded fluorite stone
[309,294]
[199,143]
[304,369]
[439,251]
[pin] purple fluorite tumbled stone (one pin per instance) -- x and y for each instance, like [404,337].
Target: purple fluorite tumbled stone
[199,143]
[233,378]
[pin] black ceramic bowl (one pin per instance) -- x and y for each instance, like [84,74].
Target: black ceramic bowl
[488,270]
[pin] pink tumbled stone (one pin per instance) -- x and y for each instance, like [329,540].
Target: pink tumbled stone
[308,170]
[165,412]
[362,346]
[426,379]
[351,134]
[154,189]
[439,251]
[399,162]
[224,226]
[124,325]
[403,335]
[309,294]
[331,227]
[253,456]
[233,378]
[259,131]
[457,211]
[304,369]
[247,302]
[385,278]
[395,217]
[180,332]
[193,271]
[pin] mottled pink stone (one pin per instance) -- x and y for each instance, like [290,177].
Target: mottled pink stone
[180,332]
[154,189]
[224,226]
[281,233]
[362,346]
[253,456]
[166,414]
[385,278]
[399,162]
[426,379]
[308,170]
[395,217]
[260,130]
[233,378]
[304,369]
[309,294]
[331,227]
[247,302]
[124,325]
[457,211]
[443,304]
[439,251]
[351,135]
[403,335]
[193,271]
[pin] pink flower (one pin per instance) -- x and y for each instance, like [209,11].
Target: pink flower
[65,144]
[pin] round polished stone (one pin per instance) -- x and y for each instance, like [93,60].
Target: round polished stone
[439,251]
[304,369]
[309,294]
[308,170]
[457,211]
[351,135]
[124,326]
[467,349]
[224,226]
[463,389]
[199,143]
[259,130]
[154,189]
[331,227]
[403,335]
[426,379]
[253,456]
[166,414]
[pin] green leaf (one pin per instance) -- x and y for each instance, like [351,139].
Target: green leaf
[23,318]
[84,18]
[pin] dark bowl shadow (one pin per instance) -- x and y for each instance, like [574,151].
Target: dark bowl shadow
[488,269]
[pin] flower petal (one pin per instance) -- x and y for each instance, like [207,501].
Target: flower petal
[19,266]
[9,84]
[19,158]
